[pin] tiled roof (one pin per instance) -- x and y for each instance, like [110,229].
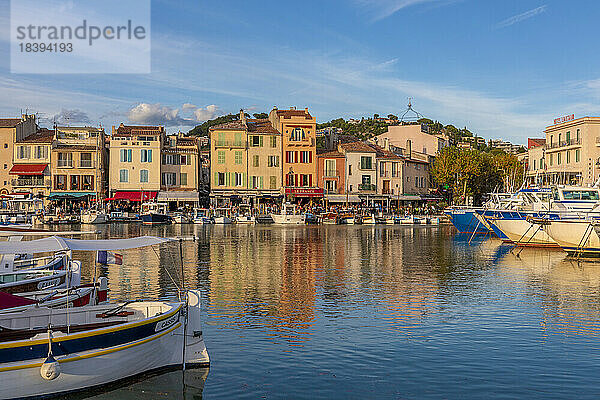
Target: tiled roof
[9,122]
[63,146]
[535,142]
[383,153]
[139,129]
[294,113]
[229,126]
[261,126]
[357,147]
[331,154]
[42,136]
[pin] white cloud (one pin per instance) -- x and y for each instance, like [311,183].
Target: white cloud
[515,19]
[380,9]
[158,114]
[74,116]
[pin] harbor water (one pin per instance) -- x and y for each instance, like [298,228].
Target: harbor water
[361,312]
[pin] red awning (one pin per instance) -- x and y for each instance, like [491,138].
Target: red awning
[28,169]
[133,196]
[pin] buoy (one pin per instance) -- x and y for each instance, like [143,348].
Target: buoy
[50,368]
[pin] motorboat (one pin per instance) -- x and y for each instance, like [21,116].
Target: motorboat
[264,219]
[46,351]
[288,216]
[181,218]
[575,236]
[222,216]
[155,213]
[407,220]
[368,220]
[347,219]
[93,216]
[202,216]
[245,220]
[329,218]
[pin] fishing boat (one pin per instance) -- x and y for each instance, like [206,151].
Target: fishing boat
[93,216]
[222,216]
[123,216]
[245,220]
[575,236]
[329,218]
[368,220]
[155,213]
[34,279]
[202,216]
[181,218]
[288,216]
[52,351]
[347,219]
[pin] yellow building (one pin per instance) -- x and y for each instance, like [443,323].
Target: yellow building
[135,162]
[264,158]
[31,160]
[11,131]
[78,163]
[180,170]
[299,160]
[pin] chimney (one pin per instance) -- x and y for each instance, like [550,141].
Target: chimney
[386,144]
[306,109]
[293,108]
[242,117]
[409,149]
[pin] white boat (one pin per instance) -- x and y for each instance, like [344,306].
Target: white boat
[245,220]
[222,216]
[202,216]
[91,346]
[433,220]
[524,233]
[181,218]
[93,216]
[288,216]
[579,236]
[368,220]
[408,220]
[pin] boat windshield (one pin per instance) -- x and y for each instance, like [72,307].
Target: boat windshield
[581,195]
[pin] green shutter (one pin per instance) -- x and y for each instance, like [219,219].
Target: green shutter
[261,141]
[261,180]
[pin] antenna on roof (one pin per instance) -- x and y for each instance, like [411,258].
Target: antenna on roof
[415,114]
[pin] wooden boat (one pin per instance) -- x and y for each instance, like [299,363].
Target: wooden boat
[347,219]
[90,346]
[93,216]
[34,280]
[329,218]
[155,213]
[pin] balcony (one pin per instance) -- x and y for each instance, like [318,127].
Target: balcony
[19,182]
[564,143]
[367,187]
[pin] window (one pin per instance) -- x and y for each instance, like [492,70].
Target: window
[542,162]
[239,179]
[558,158]
[87,182]
[273,161]
[577,136]
[75,182]
[5,166]
[255,161]
[349,169]
[237,139]
[568,156]
[551,159]
[124,175]
[366,179]
[183,179]
[577,154]
[238,157]
[185,159]
[60,182]
[125,155]
[330,169]
[65,160]
[534,164]
[221,157]
[331,186]
[568,138]
[256,141]
[297,134]
[143,175]
[146,155]
[41,152]
[256,182]
[23,152]
[305,180]
[85,160]
[273,140]
[366,162]
[6,145]
[394,169]
[221,179]
[289,157]
[305,157]
[559,137]
[272,182]
[169,178]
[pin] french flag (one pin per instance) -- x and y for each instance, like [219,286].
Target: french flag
[108,257]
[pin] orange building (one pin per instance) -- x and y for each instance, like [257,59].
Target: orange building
[299,166]
[331,167]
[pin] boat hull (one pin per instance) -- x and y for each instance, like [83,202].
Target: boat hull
[465,221]
[288,219]
[575,236]
[154,219]
[524,233]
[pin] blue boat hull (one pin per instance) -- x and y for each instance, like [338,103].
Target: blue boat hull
[465,221]
[153,219]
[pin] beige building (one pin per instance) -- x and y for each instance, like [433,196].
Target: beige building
[413,137]
[361,167]
[389,172]
[264,158]
[536,163]
[299,159]
[78,163]
[180,170]
[572,151]
[135,162]
[31,164]
[11,131]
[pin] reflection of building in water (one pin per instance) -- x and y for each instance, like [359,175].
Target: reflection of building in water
[139,274]
[569,289]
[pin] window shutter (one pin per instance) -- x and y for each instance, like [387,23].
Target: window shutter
[310,157]
[310,180]
[261,180]
[261,141]
[295,156]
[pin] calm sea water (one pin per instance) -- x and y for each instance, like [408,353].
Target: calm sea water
[354,312]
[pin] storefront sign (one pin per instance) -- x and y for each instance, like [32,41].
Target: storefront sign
[566,118]
[304,192]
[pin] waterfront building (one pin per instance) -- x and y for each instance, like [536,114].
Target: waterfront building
[505,146]
[180,171]
[361,168]
[414,137]
[416,175]
[11,131]
[135,162]
[389,172]
[264,159]
[536,163]
[331,176]
[31,164]
[299,161]
[78,164]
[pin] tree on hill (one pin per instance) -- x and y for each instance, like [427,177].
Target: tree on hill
[261,115]
[202,130]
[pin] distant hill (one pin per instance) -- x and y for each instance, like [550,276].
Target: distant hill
[202,130]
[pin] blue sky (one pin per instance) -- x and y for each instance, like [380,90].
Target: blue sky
[505,69]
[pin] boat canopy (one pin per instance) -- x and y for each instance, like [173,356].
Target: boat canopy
[57,243]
